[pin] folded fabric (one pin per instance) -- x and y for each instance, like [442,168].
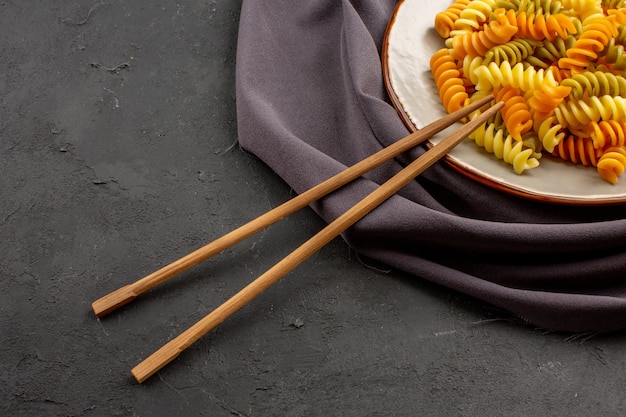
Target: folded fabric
[311,101]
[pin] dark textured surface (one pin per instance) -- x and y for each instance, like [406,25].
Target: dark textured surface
[118,155]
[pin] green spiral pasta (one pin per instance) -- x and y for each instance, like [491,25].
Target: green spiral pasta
[514,51]
[614,54]
[545,7]
[549,52]
[595,83]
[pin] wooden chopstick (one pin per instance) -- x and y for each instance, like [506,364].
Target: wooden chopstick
[127,293]
[172,349]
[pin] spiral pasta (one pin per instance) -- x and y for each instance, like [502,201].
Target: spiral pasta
[473,16]
[515,113]
[584,10]
[549,52]
[479,42]
[492,76]
[557,65]
[449,84]
[596,34]
[613,4]
[514,51]
[547,97]
[550,133]
[612,163]
[539,26]
[595,83]
[545,6]
[578,150]
[445,21]
[495,141]
[577,114]
[613,55]
[608,133]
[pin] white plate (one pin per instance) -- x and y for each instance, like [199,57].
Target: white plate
[409,43]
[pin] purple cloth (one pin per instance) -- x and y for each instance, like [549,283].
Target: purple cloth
[311,101]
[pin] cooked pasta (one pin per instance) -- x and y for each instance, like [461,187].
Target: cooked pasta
[539,26]
[515,113]
[550,133]
[612,163]
[496,141]
[547,97]
[473,16]
[596,83]
[595,36]
[578,150]
[549,52]
[514,51]
[449,84]
[559,67]
[577,114]
[493,76]
[445,21]
[477,43]
[608,133]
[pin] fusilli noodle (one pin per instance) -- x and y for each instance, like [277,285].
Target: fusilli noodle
[612,163]
[495,140]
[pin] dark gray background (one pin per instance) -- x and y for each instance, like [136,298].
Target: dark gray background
[118,155]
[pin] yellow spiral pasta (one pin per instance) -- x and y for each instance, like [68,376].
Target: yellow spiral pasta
[577,114]
[473,16]
[612,163]
[584,10]
[492,76]
[495,141]
[550,132]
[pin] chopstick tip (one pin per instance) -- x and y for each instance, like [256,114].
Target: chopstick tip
[112,301]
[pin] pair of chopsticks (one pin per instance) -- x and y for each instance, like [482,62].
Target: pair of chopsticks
[172,349]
